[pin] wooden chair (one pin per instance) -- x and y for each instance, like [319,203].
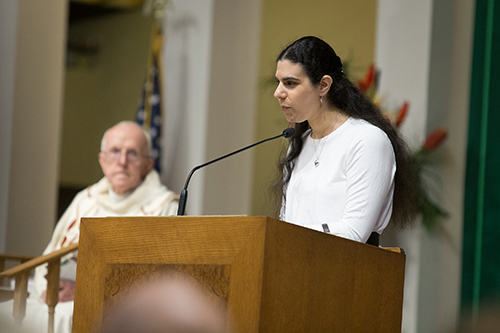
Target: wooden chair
[21,274]
[5,292]
[10,257]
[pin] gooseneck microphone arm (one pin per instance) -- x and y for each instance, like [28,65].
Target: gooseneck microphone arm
[183,199]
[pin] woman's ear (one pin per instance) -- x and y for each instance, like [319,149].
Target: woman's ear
[325,84]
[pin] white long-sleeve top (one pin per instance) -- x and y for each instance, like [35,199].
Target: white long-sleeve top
[351,190]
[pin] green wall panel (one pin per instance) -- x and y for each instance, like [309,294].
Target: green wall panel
[481,266]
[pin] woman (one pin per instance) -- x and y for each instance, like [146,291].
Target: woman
[346,170]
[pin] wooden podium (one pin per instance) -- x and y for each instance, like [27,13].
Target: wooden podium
[274,276]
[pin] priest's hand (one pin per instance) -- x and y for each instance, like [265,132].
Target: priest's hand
[66,291]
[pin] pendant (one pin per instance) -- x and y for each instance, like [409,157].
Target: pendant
[316,163]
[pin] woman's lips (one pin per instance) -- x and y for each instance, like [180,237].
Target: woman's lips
[284,108]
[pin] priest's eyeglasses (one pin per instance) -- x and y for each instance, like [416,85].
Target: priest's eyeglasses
[132,156]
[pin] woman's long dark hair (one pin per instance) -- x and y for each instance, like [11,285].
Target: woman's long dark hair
[317,59]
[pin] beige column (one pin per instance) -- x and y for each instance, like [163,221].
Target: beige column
[37,38]
[424,52]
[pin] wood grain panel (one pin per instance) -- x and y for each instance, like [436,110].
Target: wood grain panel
[179,241]
[121,279]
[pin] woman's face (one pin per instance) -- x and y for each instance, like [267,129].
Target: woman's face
[299,99]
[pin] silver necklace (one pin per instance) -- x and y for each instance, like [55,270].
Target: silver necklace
[320,144]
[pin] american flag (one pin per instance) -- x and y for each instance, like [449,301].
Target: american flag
[149,110]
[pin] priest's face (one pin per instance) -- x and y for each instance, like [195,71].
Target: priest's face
[124,157]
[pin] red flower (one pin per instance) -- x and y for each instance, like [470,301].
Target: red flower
[365,83]
[401,115]
[435,139]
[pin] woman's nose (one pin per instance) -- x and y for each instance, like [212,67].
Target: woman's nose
[278,93]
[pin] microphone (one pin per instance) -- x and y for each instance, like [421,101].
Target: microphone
[288,132]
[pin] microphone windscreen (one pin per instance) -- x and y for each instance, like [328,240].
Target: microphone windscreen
[289,132]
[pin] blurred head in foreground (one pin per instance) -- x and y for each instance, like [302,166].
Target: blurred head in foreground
[487,321]
[172,303]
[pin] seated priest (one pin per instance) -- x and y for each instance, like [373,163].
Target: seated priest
[130,187]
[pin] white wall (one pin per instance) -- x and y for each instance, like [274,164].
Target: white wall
[32,44]
[211,53]
[187,53]
[424,53]
[449,93]
[233,99]
[402,54]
